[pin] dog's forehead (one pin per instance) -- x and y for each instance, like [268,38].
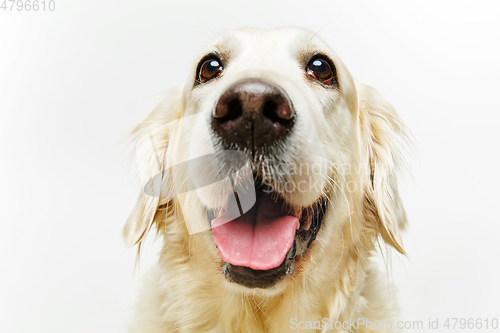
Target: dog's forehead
[266,46]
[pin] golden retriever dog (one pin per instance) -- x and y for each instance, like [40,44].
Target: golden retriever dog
[270,177]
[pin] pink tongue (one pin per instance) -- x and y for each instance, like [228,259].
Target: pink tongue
[259,239]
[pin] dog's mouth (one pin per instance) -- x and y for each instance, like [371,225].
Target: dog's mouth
[260,247]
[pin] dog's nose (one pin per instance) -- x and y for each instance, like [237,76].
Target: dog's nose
[253,113]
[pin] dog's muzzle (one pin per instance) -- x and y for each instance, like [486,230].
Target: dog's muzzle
[260,247]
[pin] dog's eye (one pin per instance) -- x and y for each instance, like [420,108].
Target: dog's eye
[322,71]
[209,70]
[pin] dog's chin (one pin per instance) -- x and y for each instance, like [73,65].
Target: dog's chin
[261,249]
[277,287]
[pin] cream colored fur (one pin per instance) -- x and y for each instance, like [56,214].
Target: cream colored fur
[351,132]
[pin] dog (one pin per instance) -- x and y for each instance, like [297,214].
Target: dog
[271,177]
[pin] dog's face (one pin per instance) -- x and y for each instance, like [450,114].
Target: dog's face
[267,160]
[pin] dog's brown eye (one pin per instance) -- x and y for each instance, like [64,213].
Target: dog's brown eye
[322,71]
[209,70]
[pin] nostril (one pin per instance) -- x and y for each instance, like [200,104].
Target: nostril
[269,110]
[234,109]
[229,109]
[277,111]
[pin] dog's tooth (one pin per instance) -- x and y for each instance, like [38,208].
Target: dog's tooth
[298,215]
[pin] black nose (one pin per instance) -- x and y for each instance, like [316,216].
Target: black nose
[253,114]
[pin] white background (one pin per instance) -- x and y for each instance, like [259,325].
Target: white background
[74,81]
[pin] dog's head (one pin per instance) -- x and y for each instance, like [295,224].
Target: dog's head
[270,163]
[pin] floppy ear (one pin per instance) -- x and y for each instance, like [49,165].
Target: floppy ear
[151,138]
[381,133]
[140,220]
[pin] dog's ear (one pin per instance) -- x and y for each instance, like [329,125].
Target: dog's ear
[382,132]
[140,220]
[151,138]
